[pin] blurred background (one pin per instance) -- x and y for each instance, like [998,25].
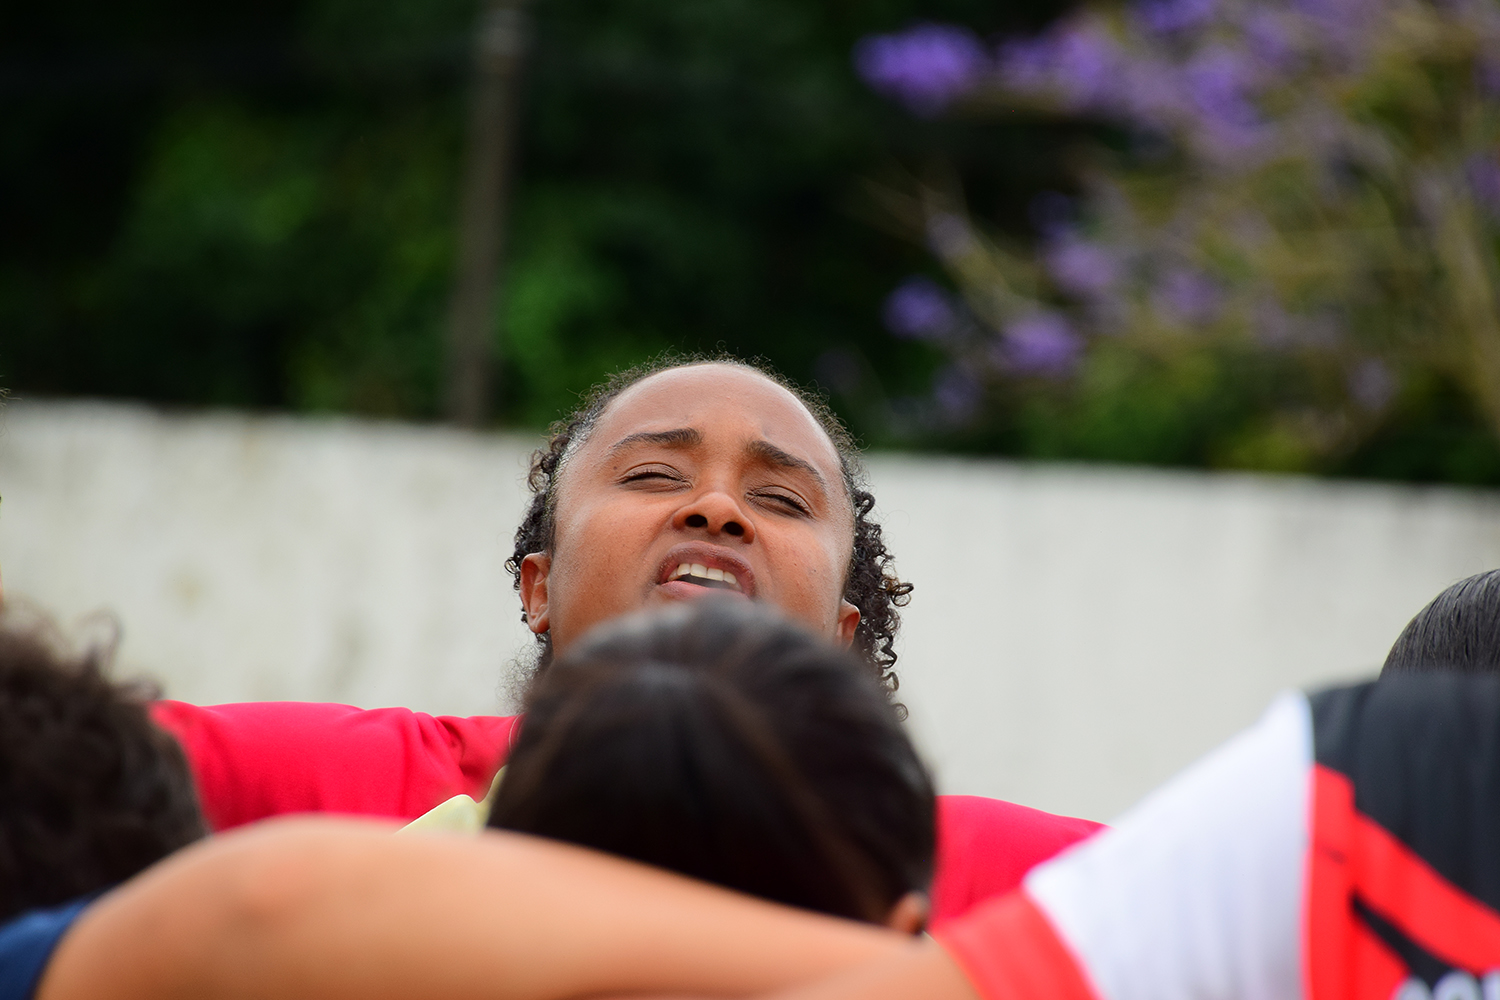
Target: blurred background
[1172,326]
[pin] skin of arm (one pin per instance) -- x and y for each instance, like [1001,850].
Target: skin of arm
[335,909]
[915,970]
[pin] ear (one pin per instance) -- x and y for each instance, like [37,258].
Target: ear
[848,621]
[534,571]
[909,915]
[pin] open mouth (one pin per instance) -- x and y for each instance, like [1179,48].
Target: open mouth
[705,576]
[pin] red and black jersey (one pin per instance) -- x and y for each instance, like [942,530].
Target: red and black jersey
[1347,847]
[1403,880]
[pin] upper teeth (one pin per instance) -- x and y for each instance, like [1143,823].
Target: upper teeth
[703,572]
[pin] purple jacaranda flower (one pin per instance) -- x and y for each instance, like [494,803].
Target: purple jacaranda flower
[1088,66]
[1343,24]
[1077,62]
[1163,17]
[1483,173]
[1221,82]
[926,67]
[1372,385]
[919,310]
[1271,40]
[1190,296]
[1081,267]
[1151,93]
[1027,64]
[1040,343]
[958,393]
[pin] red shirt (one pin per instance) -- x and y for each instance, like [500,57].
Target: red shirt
[264,759]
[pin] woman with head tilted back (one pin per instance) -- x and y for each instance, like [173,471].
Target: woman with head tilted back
[668,484]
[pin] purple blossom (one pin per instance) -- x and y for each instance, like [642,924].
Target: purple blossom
[926,67]
[1221,82]
[1151,92]
[1483,173]
[1088,66]
[1271,41]
[1372,385]
[1191,296]
[919,310]
[1077,60]
[1026,64]
[958,393]
[1041,343]
[1081,267]
[1165,17]
[1342,23]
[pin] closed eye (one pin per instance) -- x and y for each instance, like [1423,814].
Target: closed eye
[782,501]
[652,476]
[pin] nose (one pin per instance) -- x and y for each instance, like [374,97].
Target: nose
[718,514]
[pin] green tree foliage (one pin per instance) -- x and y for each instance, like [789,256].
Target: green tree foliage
[253,204]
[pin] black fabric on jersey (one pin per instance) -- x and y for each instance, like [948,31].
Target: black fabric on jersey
[1423,753]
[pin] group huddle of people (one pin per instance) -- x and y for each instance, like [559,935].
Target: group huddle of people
[710,792]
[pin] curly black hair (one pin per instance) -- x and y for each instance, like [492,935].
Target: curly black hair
[94,792]
[870,584]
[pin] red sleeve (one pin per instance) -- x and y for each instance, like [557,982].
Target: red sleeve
[985,847]
[1009,950]
[262,759]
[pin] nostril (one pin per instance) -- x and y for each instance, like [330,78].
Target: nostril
[734,528]
[697,521]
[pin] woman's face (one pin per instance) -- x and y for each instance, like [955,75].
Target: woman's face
[707,479]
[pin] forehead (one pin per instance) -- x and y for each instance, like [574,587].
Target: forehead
[720,401]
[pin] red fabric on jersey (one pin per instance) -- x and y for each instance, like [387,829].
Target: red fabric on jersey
[1009,951]
[985,846]
[264,759]
[1353,856]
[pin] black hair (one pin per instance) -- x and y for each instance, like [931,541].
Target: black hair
[92,791]
[1459,630]
[718,740]
[870,582]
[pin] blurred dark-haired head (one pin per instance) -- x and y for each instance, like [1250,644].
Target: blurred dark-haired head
[93,791]
[1459,630]
[722,742]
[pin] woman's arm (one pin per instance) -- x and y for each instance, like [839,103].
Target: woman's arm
[327,909]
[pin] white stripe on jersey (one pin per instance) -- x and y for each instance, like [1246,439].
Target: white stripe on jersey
[1196,893]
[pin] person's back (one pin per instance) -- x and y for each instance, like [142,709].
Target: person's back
[722,742]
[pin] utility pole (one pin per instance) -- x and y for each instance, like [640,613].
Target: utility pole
[473,360]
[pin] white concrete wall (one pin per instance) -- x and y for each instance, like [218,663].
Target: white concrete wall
[1077,633]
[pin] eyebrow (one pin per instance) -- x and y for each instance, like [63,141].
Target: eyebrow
[688,437]
[681,437]
[768,453]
